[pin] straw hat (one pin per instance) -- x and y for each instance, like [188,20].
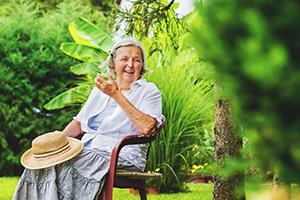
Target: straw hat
[50,149]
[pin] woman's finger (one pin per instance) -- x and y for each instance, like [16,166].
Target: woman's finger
[110,78]
[99,82]
[99,78]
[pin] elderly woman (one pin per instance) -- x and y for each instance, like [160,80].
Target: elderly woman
[124,104]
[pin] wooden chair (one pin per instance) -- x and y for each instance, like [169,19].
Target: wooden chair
[126,179]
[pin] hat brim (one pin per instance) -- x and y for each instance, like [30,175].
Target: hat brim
[30,162]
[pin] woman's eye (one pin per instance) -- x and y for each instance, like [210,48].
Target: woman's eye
[137,60]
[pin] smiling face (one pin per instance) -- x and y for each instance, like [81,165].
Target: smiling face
[127,65]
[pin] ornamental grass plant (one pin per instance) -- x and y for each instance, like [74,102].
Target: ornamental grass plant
[188,108]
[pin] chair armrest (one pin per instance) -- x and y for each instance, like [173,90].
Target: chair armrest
[135,139]
[128,140]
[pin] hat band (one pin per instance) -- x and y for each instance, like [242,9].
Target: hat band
[64,148]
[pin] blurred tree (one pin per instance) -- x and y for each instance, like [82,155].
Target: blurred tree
[255,47]
[226,139]
[227,145]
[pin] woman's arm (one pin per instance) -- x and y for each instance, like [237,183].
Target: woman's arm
[143,122]
[73,129]
[140,120]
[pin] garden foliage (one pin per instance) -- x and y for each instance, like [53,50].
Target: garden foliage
[32,71]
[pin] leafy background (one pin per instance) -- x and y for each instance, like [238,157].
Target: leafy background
[50,61]
[249,48]
[32,71]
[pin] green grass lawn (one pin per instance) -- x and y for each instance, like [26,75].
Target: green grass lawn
[7,186]
[198,192]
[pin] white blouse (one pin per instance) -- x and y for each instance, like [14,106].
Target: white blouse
[115,124]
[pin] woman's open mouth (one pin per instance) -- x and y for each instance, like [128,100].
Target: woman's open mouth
[129,73]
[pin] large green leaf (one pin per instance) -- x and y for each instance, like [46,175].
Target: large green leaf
[91,46]
[83,53]
[86,33]
[70,97]
[86,68]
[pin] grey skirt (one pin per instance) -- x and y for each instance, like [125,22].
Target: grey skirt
[80,178]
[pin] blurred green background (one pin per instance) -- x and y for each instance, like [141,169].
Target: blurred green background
[249,49]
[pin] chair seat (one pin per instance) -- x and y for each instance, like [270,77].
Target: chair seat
[138,175]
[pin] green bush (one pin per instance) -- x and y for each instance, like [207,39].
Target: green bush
[32,71]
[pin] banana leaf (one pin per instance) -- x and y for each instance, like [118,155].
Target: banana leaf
[83,53]
[86,33]
[91,45]
[86,68]
[70,97]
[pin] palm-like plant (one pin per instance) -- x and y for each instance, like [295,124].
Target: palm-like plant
[91,46]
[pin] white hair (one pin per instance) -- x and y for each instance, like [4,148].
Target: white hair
[124,43]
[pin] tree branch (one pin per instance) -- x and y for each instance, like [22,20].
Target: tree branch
[168,6]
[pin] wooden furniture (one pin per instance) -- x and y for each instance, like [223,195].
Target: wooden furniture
[126,179]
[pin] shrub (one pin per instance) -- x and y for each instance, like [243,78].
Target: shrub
[32,71]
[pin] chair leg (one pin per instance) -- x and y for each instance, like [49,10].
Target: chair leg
[107,193]
[143,194]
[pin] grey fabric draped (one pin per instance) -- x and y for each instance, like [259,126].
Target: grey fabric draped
[80,178]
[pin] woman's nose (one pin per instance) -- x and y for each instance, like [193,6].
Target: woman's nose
[130,63]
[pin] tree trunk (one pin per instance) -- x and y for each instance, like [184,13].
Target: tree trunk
[227,145]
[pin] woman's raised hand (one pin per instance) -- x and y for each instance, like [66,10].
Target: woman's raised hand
[108,87]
